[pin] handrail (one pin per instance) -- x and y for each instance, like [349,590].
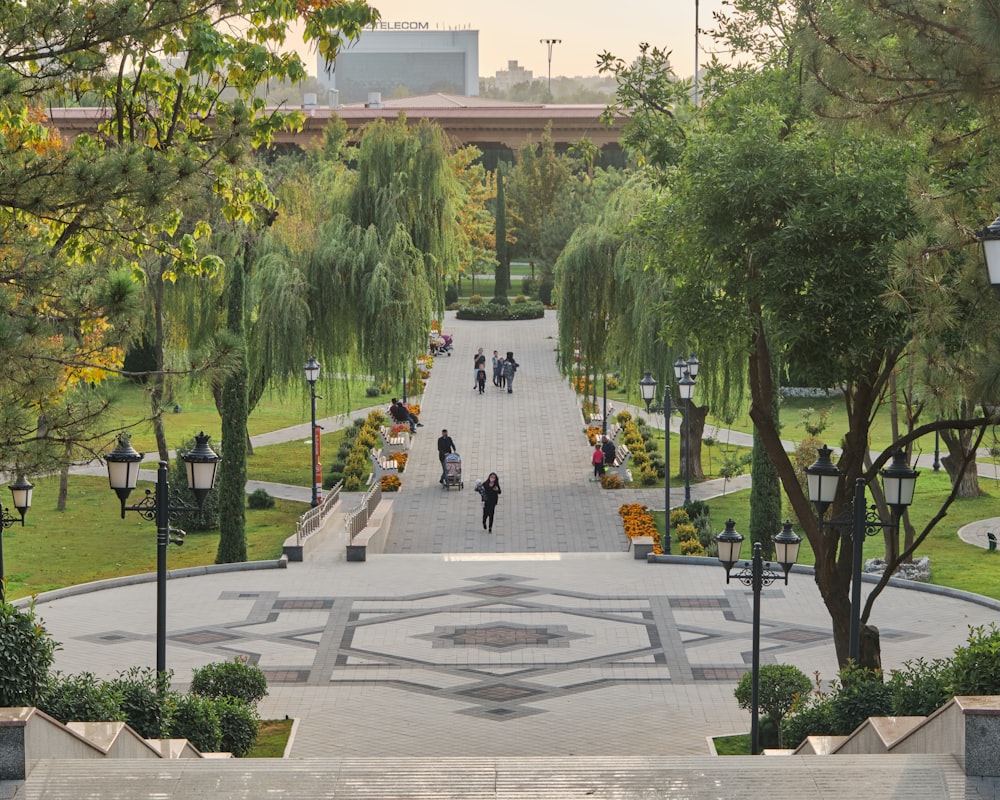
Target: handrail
[312,520]
[358,518]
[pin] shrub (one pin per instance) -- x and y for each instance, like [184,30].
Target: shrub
[390,483]
[813,719]
[451,293]
[545,290]
[353,483]
[372,391]
[696,509]
[475,300]
[649,476]
[975,668]
[338,466]
[613,382]
[609,481]
[194,718]
[259,499]
[239,725]
[144,705]
[342,453]
[780,688]
[82,698]
[686,532]
[331,479]
[919,688]
[678,516]
[26,652]
[237,678]
[692,547]
[528,285]
[859,694]
[500,300]
[623,417]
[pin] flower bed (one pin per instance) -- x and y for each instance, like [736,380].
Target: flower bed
[637,521]
[390,483]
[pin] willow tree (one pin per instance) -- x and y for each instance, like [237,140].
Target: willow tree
[587,295]
[404,178]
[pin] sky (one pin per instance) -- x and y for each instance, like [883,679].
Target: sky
[509,30]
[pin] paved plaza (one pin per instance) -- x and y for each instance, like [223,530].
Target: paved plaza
[545,638]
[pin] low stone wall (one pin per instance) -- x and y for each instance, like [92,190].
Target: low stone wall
[371,538]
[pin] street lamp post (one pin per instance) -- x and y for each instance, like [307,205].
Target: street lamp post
[686,373]
[990,237]
[858,521]
[21,493]
[757,575]
[550,43]
[647,387]
[160,506]
[312,375]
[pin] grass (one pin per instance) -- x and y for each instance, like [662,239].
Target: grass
[274,412]
[89,541]
[272,739]
[954,563]
[289,462]
[735,745]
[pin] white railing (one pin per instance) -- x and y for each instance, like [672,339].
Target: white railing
[358,518]
[312,520]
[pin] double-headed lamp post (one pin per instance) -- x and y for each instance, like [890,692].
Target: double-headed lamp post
[858,521]
[647,386]
[686,373]
[312,375]
[757,575]
[159,506]
[550,43]
[21,492]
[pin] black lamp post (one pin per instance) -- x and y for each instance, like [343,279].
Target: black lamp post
[898,483]
[686,390]
[647,387]
[159,505]
[312,375]
[21,492]
[990,237]
[757,575]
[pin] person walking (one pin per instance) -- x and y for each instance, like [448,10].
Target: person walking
[597,459]
[497,368]
[491,494]
[480,363]
[609,450]
[509,368]
[501,381]
[446,446]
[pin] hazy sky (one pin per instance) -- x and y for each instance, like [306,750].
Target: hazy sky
[509,30]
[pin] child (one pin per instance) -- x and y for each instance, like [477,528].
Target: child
[481,492]
[481,380]
[597,459]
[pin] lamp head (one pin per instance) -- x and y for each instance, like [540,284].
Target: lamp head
[898,483]
[647,388]
[123,468]
[786,547]
[729,542]
[823,478]
[311,370]
[21,492]
[990,237]
[202,463]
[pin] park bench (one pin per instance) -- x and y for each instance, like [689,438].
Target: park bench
[394,442]
[620,464]
[382,465]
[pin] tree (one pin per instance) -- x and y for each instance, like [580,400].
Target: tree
[85,212]
[780,688]
[503,259]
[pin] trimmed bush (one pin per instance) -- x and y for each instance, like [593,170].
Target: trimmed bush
[145,708]
[331,479]
[81,697]
[26,652]
[260,499]
[239,725]
[781,687]
[975,668]
[194,718]
[238,679]
[919,688]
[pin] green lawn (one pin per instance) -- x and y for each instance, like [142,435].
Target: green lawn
[953,562]
[272,739]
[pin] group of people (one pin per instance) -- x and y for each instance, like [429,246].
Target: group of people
[488,490]
[401,413]
[504,368]
[604,455]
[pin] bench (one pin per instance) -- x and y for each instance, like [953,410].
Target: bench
[382,465]
[394,442]
[620,465]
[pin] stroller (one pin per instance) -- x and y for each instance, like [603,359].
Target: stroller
[453,471]
[440,344]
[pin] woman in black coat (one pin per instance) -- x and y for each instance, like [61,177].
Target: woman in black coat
[491,493]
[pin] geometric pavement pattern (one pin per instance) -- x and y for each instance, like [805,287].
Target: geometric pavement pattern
[497,647]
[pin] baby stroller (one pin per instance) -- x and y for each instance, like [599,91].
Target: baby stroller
[453,471]
[440,344]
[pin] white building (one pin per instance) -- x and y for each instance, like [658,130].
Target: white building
[513,75]
[401,59]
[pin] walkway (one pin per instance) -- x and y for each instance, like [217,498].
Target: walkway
[544,639]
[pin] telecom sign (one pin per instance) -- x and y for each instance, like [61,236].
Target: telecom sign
[401,26]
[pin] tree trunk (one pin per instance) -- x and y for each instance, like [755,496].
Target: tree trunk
[233,469]
[959,443]
[695,416]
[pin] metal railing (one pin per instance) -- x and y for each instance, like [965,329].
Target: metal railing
[312,520]
[358,518]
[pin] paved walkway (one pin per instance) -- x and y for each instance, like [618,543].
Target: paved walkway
[545,638]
